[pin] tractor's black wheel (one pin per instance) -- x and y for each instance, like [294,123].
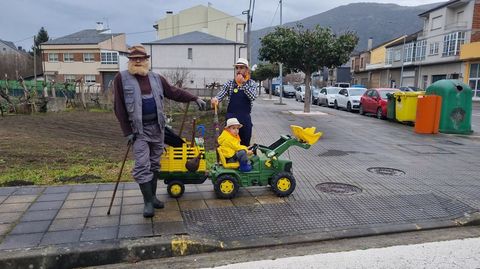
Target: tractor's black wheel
[175,188]
[283,184]
[226,187]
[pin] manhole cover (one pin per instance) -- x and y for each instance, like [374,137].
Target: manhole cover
[338,188]
[385,171]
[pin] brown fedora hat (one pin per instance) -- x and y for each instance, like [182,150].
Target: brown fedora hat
[137,51]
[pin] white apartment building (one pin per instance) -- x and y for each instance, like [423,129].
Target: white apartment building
[434,52]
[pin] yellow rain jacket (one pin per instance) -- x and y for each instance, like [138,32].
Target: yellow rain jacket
[229,144]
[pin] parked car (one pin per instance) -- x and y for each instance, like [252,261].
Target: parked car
[289,91]
[300,94]
[375,101]
[348,98]
[315,95]
[327,96]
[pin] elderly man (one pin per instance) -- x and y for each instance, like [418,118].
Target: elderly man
[138,105]
[241,93]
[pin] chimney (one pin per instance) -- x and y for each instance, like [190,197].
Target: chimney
[99,26]
[370,43]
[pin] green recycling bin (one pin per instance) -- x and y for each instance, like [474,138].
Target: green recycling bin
[456,114]
[390,106]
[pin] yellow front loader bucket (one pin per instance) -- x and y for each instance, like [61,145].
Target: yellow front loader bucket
[306,135]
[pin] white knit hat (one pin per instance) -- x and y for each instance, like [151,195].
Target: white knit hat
[233,121]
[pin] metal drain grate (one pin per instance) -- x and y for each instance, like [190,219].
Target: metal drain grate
[338,188]
[386,171]
[294,218]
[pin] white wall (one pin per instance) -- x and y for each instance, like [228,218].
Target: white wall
[210,63]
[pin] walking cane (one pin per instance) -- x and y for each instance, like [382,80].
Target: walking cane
[119,176]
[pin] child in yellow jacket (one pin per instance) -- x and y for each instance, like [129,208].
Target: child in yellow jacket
[230,147]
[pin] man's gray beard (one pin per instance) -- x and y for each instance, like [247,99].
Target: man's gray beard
[138,70]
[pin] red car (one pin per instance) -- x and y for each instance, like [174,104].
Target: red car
[375,101]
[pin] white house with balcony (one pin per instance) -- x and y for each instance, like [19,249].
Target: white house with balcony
[93,56]
[446,28]
[202,58]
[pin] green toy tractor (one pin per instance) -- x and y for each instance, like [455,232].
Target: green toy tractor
[268,167]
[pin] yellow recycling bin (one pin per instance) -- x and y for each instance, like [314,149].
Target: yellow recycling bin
[406,105]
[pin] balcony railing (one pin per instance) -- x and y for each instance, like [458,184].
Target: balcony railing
[456,26]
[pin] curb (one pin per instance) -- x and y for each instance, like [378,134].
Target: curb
[118,251]
[106,252]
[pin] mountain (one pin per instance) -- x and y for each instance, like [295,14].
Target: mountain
[382,22]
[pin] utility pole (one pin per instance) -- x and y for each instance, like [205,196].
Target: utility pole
[280,64]
[34,64]
[403,60]
[249,14]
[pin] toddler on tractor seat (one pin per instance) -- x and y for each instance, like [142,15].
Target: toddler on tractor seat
[230,147]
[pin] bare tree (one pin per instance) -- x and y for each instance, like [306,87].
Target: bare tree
[178,77]
[294,78]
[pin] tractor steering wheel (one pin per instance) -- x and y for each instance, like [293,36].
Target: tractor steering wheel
[254,149]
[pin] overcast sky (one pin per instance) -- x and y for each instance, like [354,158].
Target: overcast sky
[20,20]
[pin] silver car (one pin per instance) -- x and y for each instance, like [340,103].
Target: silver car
[327,96]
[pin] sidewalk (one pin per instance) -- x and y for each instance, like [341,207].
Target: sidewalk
[363,177]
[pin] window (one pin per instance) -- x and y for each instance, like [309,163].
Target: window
[190,53]
[398,55]
[436,78]
[90,79]
[88,57]
[433,48]
[361,62]
[109,57]
[452,43]
[68,57]
[460,16]
[53,57]
[69,78]
[409,52]
[474,79]
[436,23]
[389,58]
[420,50]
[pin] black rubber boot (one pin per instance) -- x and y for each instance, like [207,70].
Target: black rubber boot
[156,203]
[147,194]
